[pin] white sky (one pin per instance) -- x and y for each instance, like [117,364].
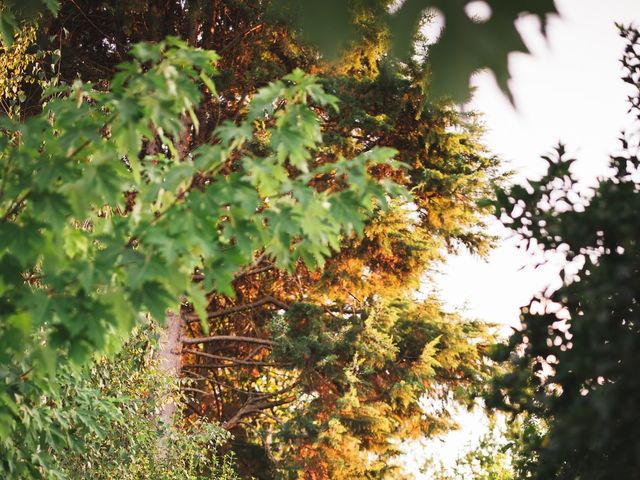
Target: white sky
[568,90]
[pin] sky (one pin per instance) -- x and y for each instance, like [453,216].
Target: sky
[568,90]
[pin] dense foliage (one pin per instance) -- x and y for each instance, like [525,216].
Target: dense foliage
[575,360]
[93,214]
[333,26]
[143,187]
[100,423]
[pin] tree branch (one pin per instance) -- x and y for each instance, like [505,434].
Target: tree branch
[230,365]
[227,338]
[239,308]
[228,359]
[251,408]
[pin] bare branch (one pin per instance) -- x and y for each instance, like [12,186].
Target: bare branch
[227,338]
[253,408]
[239,308]
[197,390]
[227,359]
[231,365]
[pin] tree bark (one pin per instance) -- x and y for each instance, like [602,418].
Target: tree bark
[169,357]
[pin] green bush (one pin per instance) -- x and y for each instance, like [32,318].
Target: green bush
[102,423]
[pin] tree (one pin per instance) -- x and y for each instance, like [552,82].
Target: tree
[577,370]
[305,385]
[94,195]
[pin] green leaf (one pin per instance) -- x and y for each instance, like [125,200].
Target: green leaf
[147,52]
[199,301]
[234,136]
[263,102]
[122,310]
[76,243]
[155,298]
[52,5]
[8,27]
[266,175]
[208,83]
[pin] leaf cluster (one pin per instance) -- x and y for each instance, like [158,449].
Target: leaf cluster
[100,423]
[105,216]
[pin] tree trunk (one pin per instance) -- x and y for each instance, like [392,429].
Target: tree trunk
[168,356]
